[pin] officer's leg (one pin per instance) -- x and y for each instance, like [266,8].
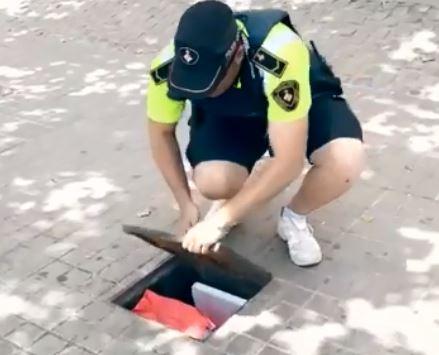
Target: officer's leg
[335,149]
[336,166]
[222,152]
[218,180]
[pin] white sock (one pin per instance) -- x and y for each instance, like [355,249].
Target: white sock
[298,219]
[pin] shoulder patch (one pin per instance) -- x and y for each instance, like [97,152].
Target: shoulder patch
[286,94]
[269,62]
[161,73]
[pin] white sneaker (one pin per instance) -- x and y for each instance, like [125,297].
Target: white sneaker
[302,246]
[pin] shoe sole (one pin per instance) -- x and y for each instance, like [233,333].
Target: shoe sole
[308,265]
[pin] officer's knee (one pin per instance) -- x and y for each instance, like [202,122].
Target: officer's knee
[346,159]
[219,180]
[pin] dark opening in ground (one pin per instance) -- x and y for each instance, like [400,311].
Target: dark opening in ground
[172,279]
[175,278]
[192,293]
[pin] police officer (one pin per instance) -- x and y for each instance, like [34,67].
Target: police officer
[253,85]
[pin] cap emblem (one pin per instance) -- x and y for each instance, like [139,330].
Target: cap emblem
[189,56]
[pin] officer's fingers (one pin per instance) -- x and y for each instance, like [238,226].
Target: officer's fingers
[196,247]
[199,249]
[187,241]
[216,247]
[205,249]
[191,245]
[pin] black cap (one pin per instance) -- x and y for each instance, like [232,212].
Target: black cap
[205,33]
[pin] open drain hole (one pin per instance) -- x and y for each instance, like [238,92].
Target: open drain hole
[218,285]
[172,279]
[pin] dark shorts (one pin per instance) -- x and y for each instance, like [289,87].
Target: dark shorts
[244,140]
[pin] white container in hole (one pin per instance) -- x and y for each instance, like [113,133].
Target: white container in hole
[217,305]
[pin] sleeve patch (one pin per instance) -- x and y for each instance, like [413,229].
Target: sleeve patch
[161,73]
[286,95]
[269,62]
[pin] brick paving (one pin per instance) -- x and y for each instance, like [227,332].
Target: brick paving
[74,164]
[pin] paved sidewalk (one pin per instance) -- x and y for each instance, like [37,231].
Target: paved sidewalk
[74,165]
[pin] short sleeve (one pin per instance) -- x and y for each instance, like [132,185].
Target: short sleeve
[160,107]
[289,93]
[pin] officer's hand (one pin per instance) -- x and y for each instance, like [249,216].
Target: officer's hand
[203,236]
[189,217]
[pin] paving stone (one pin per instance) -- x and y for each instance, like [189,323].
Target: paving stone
[331,349]
[55,272]
[22,262]
[304,317]
[63,229]
[97,286]
[327,306]
[122,346]
[74,330]
[120,269]
[64,298]
[364,342]
[296,337]
[42,242]
[9,225]
[25,335]
[277,261]
[83,333]
[280,290]
[96,263]
[59,249]
[269,350]
[74,350]
[381,257]
[8,348]
[243,344]
[97,311]
[96,342]
[152,264]
[10,323]
[75,279]
[116,322]
[48,345]
[88,245]
[142,328]
[78,256]
[49,318]
[221,338]
[26,234]
[174,345]
[268,321]
[117,250]
[7,244]
[339,286]
[42,224]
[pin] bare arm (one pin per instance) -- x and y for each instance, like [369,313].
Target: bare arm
[166,154]
[288,140]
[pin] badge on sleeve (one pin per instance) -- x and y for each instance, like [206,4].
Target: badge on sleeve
[286,94]
[269,62]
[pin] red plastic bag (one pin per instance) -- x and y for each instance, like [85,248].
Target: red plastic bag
[174,314]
